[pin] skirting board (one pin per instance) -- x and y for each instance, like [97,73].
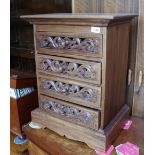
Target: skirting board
[98,140]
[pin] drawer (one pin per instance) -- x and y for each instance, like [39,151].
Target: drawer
[70,112]
[70,68]
[81,44]
[76,92]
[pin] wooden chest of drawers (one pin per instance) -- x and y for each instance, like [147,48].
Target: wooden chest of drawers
[82,70]
[20,108]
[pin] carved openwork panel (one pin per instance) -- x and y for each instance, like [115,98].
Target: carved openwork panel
[86,95]
[69,43]
[69,112]
[87,71]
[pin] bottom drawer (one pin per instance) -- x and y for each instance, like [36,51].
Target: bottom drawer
[70,112]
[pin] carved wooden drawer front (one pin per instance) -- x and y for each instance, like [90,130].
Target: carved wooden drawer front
[70,68]
[75,92]
[74,44]
[70,112]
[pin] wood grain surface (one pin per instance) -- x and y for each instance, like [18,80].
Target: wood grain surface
[51,143]
[98,140]
[82,36]
[20,111]
[109,72]
[116,70]
[135,92]
[85,116]
[35,150]
[88,16]
[95,74]
[85,6]
[21,79]
[17,149]
[138,106]
[93,98]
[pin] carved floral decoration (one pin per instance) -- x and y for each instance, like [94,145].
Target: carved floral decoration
[70,90]
[68,68]
[69,43]
[66,111]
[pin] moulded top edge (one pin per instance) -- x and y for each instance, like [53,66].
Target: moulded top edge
[108,16]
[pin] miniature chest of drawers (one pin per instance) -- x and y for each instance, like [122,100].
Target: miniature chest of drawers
[81,64]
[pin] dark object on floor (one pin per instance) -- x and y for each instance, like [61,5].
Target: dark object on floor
[20,139]
[17,149]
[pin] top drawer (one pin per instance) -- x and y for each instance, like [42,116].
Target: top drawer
[56,43]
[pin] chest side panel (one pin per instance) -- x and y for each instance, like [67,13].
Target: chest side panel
[117,49]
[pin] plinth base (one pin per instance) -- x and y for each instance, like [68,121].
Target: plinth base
[98,140]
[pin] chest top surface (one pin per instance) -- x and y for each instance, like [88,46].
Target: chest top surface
[82,18]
